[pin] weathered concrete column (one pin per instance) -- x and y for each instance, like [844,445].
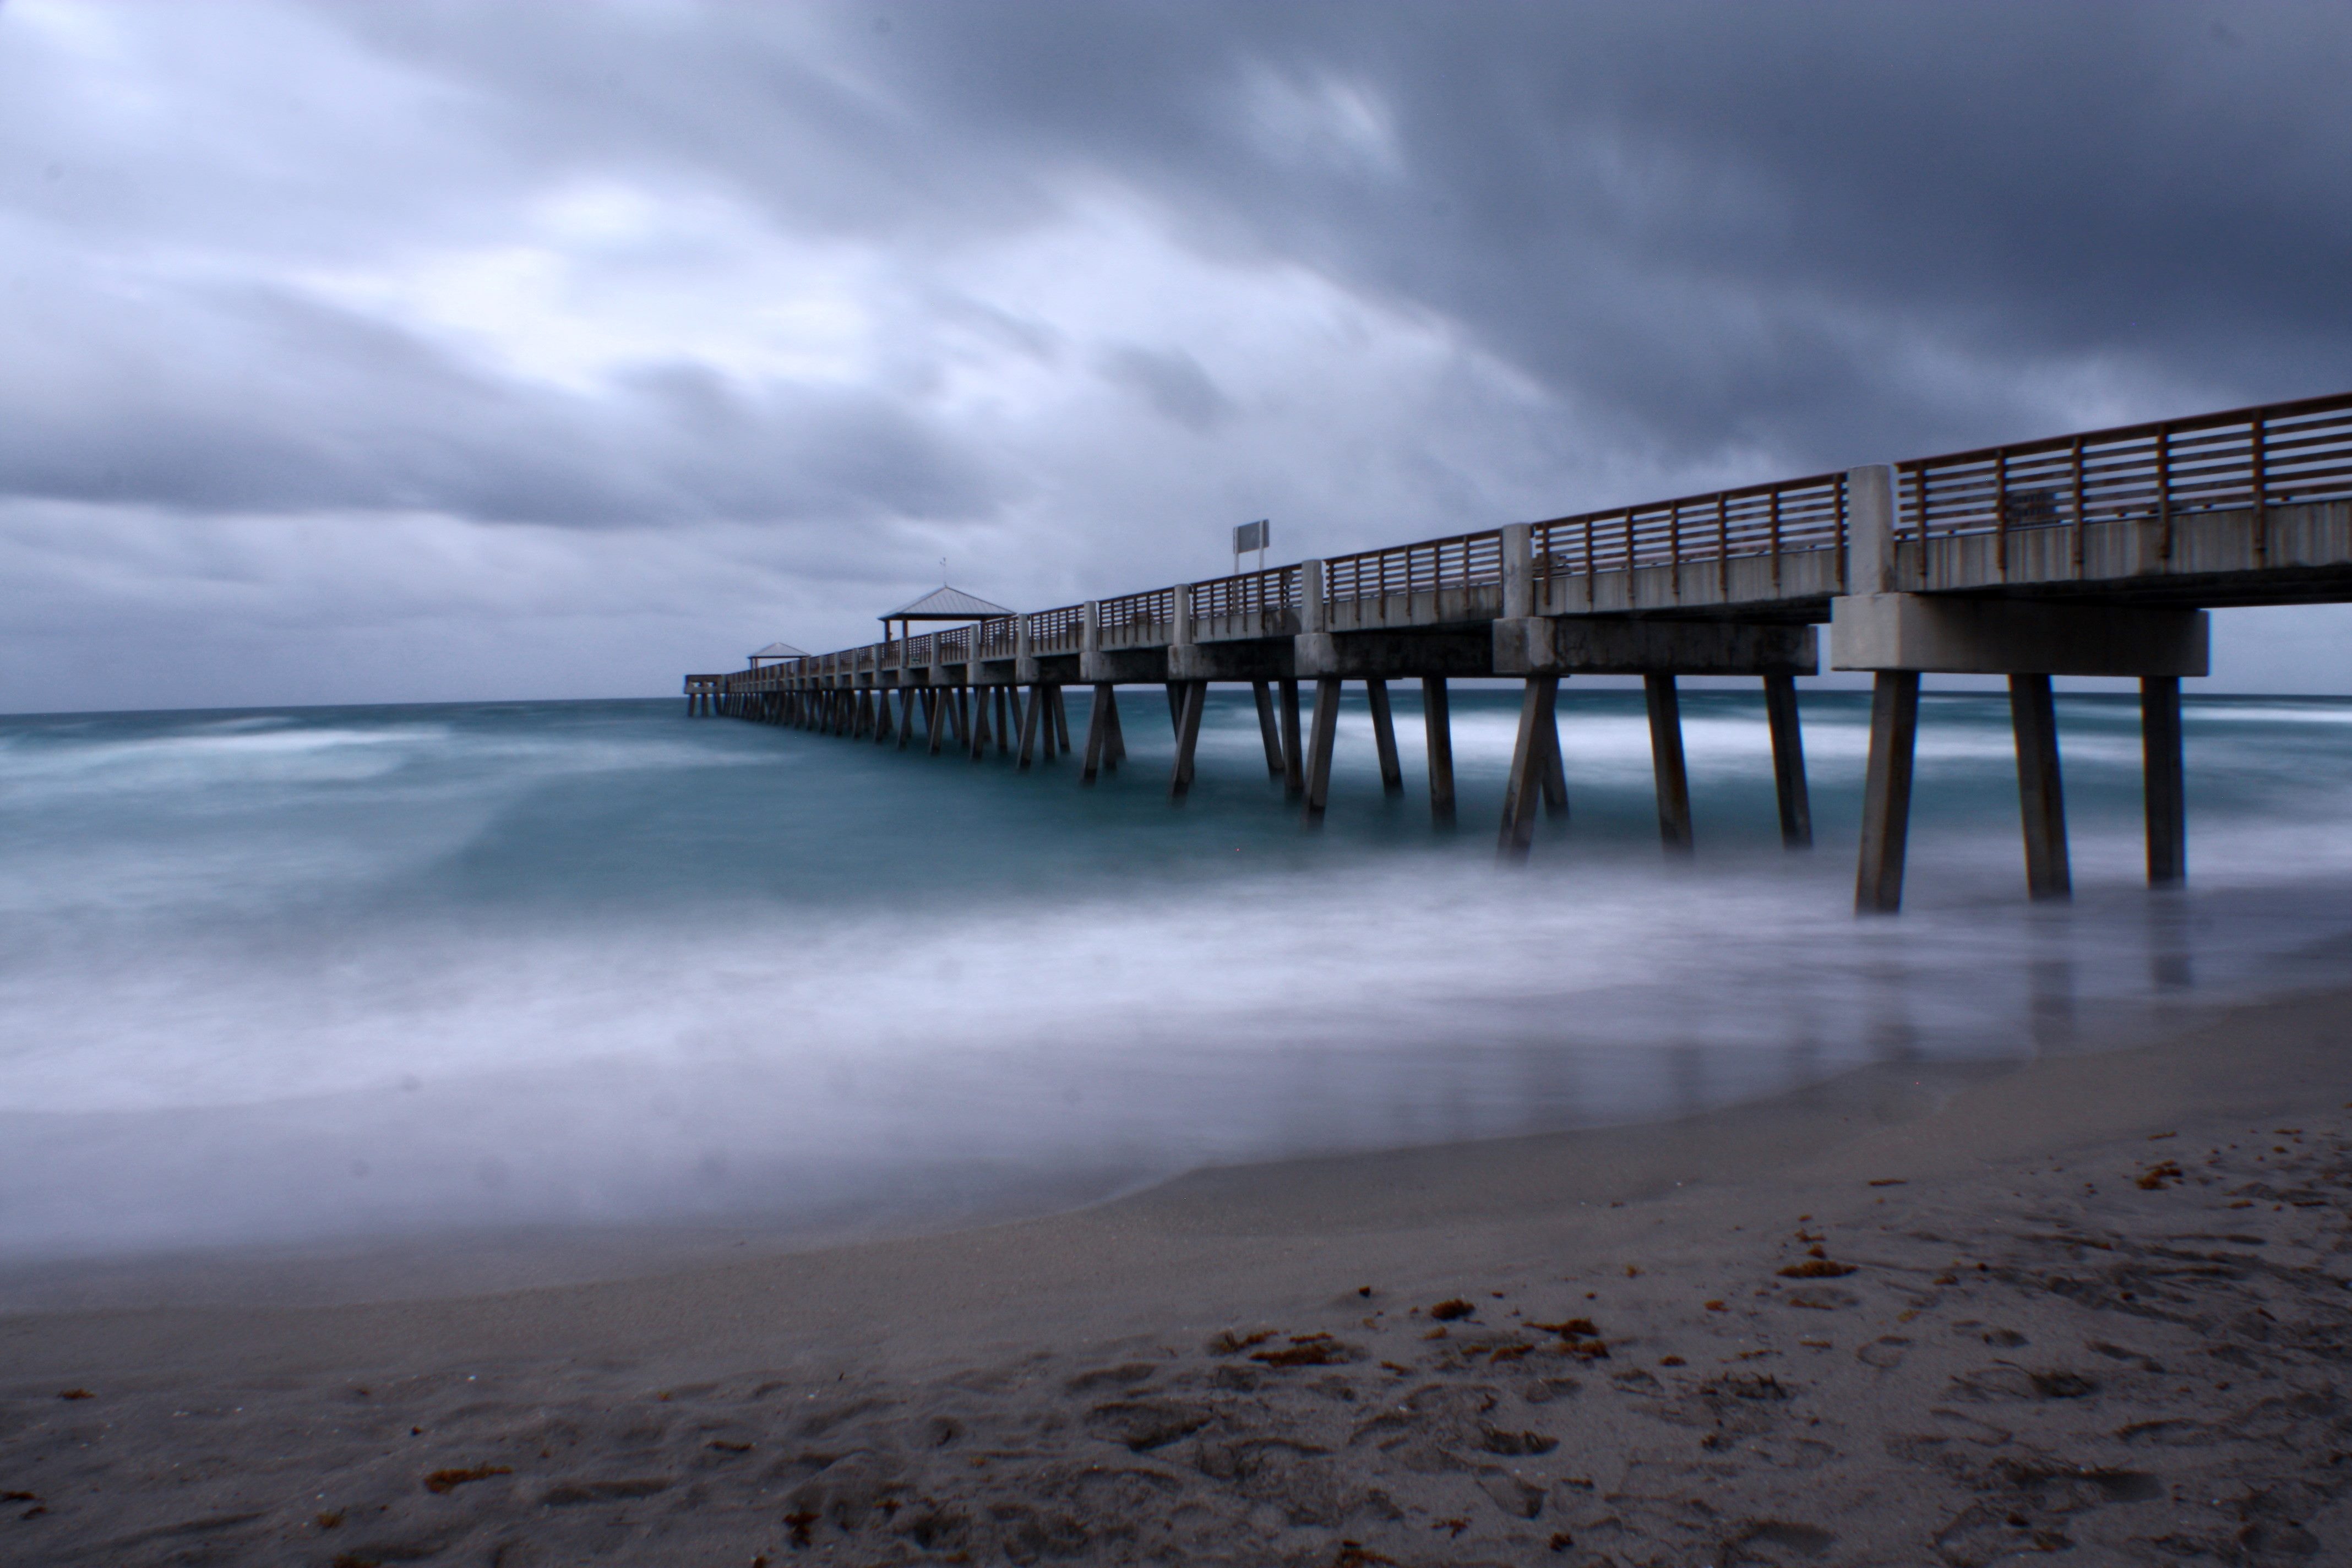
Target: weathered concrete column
[2163,780]
[1789,762]
[1318,751]
[1536,721]
[1003,720]
[1030,716]
[980,735]
[1113,737]
[1268,733]
[1555,771]
[1870,529]
[1672,779]
[1098,714]
[1376,692]
[907,701]
[1437,729]
[1061,714]
[1294,767]
[1519,573]
[1886,792]
[939,697]
[2041,793]
[1187,736]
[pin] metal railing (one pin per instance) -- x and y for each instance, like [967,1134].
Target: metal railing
[1276,589]
[1773,520]
[1465,560]
[2273,455]
[1156,608]
[1059,630]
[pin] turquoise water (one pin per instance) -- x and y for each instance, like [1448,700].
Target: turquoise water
[331,972]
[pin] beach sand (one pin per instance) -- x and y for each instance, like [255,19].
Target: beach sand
[2092,1305]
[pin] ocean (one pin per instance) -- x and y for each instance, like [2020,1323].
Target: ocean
[333,974]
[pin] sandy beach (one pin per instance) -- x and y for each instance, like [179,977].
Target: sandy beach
[2092,1305]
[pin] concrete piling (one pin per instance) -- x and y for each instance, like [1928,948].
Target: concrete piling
[1886,792]
[1376,692]
[2041,793]
[2163,780]
[1538,741]
[1268,730]
[1326,735]
[1789,763]
[1437,728]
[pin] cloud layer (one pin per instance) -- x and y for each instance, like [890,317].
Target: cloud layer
[369,353]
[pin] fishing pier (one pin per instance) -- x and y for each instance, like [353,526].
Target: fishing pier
[2096,554]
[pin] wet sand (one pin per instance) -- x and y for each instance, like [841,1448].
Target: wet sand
[2092,1304]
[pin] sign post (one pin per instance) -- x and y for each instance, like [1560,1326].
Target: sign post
[1247,537]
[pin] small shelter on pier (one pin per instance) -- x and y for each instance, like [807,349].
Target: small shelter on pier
[942,603]
[776,653]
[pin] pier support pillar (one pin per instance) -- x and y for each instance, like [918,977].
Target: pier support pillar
[1176,707]
[1318,751]
[1060,715]
[937,699]
[1437,728]
[1188,737]
[1005,721]
[1666,766]
[884,729]
[1376,692]
[1114,736]
[2164,780]
[1789,762]
[980,735]
[1294,772]
[1532,757]
[1098,722]
[1886,792]
[1030,716]
[1268,731]
[1555,772]
[2041,791]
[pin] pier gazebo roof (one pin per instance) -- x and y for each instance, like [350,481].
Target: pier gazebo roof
[778,650]
[942,603]
[945,604]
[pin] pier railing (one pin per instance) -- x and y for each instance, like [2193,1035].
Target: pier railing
[2254,459]
[1056,631]
[1772,519]
[1465,560]
[2273,455]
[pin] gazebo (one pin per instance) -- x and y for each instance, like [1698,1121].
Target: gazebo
[777,652]
[943,604]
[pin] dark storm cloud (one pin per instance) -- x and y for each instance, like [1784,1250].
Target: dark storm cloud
[1710,223]
[1823,234]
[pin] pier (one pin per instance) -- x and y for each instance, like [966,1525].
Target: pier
[2095,553]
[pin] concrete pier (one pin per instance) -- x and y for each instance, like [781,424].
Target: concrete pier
[2092,554]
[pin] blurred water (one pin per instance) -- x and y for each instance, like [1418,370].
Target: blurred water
[329,972]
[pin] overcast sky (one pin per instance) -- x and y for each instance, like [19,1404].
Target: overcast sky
[387,352]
